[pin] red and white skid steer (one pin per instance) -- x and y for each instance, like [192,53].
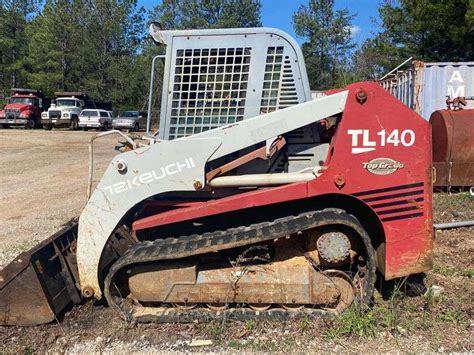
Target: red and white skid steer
[254,200]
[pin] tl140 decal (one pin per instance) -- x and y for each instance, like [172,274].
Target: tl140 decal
[364,141]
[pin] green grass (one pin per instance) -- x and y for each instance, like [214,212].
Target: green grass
[254,345]
[250,324]
[304,324]
[450,271]
[467,273]
[354,322]
[452,316]
[215,331]
[447,205]
[452,199]
[28,351]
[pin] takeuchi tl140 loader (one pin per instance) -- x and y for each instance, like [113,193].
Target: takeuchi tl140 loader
[253,200]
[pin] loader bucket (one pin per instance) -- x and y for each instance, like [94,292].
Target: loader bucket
[40,283]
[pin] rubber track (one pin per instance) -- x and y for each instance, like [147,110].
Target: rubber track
[192,245]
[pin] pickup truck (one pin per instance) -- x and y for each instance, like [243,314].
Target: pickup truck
[24,108]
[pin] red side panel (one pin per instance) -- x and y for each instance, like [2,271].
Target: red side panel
[228,204]
[381,154]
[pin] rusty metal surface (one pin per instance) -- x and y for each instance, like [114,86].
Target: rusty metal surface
[23,301]
[163,251]
[291,280]
[260,153]
[39,284]
[453,147]
[334,247]
[457,103]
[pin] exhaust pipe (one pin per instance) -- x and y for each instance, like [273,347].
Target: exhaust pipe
[40,283]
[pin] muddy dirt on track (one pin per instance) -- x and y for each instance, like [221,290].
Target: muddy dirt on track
[43,185]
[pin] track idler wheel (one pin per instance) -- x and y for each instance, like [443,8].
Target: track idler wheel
[347,291]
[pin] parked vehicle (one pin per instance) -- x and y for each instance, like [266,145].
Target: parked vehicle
[66,108]
[130,120]
[95,119]
[24,108]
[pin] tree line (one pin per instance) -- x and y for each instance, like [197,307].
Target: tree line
[102,46]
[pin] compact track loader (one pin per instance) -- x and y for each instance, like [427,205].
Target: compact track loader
[255,200]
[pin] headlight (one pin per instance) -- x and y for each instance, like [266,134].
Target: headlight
[101,120]
[24,114]
[66,115]
[44,115]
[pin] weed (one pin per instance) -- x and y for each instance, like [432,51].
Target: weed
[431,301]
[452,316]
[425,322]
[387,318]
[355,321]
[391,315]
[250,324]
[467,273]
[234,344]
[449,200]
[304,324]
[448,271]
[215,331]
[443,270]
[253,345]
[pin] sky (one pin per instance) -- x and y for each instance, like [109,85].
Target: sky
[278,14]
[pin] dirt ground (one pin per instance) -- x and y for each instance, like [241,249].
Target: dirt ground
[43,185]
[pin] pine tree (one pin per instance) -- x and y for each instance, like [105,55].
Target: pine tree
[431,30]
[91,46]
[14,18]
[55,47]
[116,30]
[328,42]
[428,30]
[199,14]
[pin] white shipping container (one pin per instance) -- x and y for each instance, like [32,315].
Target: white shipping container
[424,87]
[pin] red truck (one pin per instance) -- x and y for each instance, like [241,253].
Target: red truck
[24,108]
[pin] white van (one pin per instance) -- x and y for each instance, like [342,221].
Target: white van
[91,118]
